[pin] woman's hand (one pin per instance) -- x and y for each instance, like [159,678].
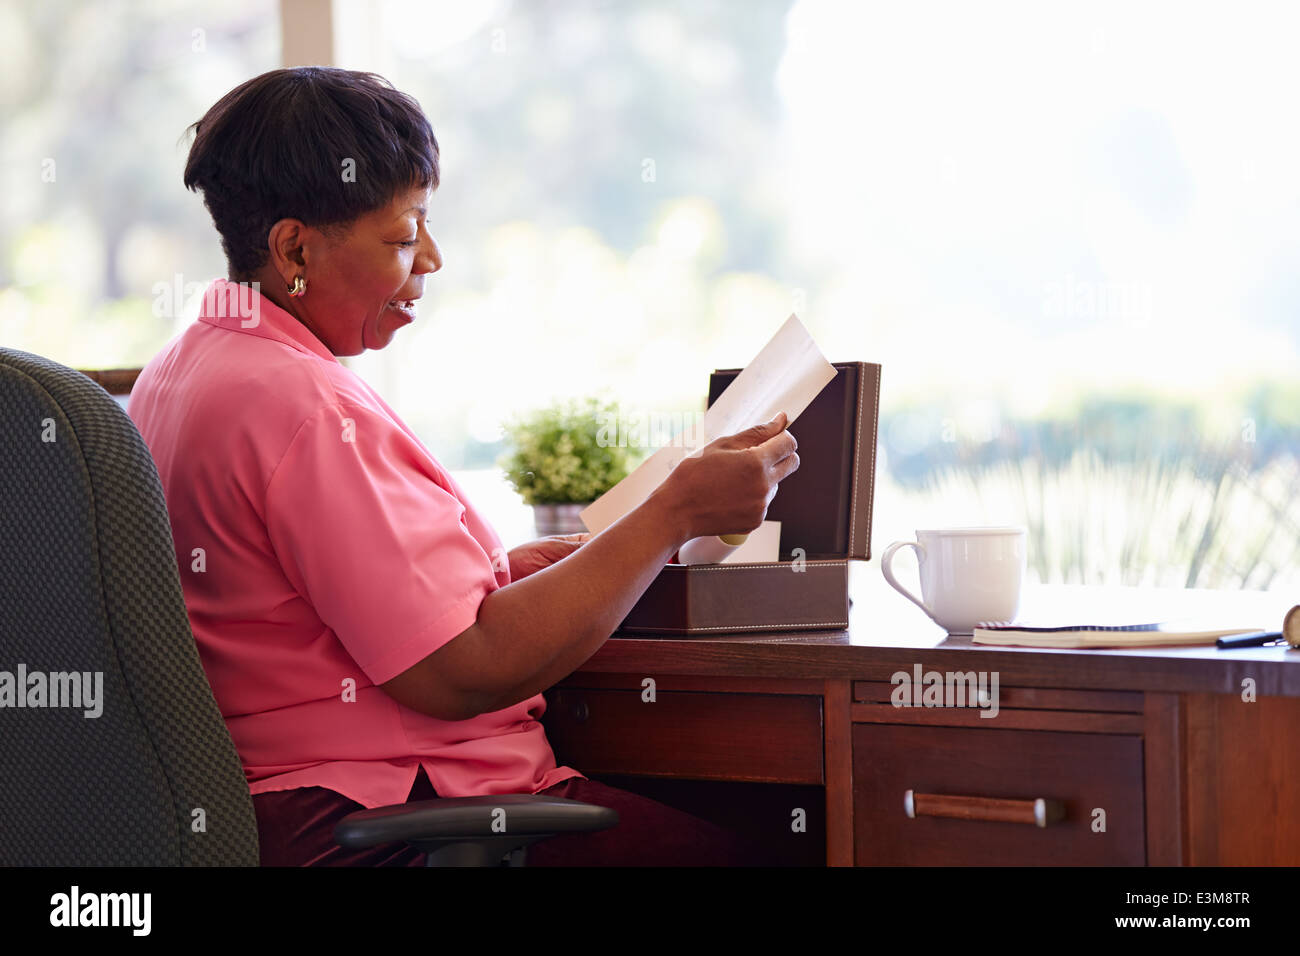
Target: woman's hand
[727,486]
[535,555]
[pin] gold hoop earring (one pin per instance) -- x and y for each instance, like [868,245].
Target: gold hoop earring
[299,286]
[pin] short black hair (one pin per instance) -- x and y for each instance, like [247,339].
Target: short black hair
[278,146]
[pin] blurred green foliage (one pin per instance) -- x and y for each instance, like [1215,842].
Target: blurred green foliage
[1127,492]
[561,454]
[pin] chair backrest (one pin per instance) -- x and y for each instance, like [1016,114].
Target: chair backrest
[90,595]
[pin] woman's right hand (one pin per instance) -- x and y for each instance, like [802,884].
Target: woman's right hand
[727,487]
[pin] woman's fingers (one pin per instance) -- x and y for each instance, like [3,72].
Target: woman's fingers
[778,447]
[786,466]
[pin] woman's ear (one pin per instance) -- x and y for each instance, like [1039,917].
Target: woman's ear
[286,242]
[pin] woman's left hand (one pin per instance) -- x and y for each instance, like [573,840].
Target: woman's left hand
[535,555]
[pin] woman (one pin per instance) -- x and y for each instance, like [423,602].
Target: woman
[367,638]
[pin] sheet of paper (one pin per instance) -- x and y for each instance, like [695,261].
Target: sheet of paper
[785,376]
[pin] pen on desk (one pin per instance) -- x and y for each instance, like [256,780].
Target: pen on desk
[1257,639]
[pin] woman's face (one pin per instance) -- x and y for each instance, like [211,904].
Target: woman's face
[362,282]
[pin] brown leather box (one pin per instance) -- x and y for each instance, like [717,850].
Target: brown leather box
[825,514]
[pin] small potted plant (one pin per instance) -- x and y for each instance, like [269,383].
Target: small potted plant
[561,458]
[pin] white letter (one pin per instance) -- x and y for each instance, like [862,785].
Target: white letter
[94,701]
[901,696]
[59,915]
[147,900]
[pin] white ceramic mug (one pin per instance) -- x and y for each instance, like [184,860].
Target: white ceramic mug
[968,575]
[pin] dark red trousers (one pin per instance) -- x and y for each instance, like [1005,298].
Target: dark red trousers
[296,828]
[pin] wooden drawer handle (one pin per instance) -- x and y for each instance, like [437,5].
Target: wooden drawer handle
[1038,812]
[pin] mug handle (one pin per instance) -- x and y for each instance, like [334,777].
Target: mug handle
[893,581]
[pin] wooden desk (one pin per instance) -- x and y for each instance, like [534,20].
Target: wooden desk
[1152,755]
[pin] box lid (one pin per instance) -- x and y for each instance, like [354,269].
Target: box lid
[825,506]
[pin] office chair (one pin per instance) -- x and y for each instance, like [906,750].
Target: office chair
[89,585]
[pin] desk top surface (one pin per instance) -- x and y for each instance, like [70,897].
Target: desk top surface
[887,633]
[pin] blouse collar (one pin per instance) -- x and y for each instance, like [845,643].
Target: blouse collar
[241,307]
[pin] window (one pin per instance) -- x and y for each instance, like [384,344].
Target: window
[98,237]
[1068,235]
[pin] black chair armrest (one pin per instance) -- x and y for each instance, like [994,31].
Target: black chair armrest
[473,831]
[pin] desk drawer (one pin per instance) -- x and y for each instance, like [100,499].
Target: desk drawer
[968,784]
[703,736]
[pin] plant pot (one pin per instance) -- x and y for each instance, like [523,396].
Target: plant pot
[558,519]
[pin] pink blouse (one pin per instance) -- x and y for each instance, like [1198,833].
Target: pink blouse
[323,551]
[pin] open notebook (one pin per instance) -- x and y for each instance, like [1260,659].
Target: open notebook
[1086,635]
